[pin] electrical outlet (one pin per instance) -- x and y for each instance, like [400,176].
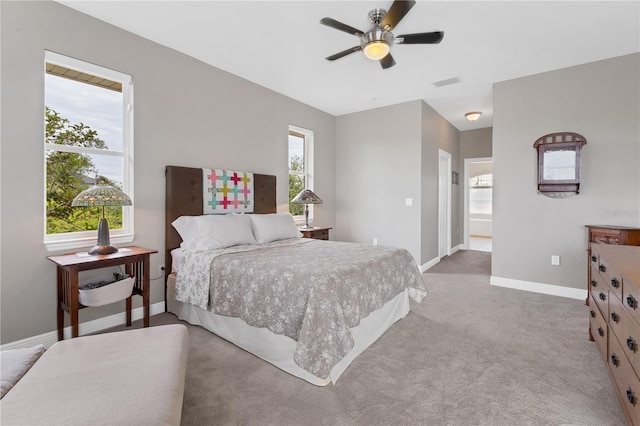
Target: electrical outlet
[555,260]
[161,270]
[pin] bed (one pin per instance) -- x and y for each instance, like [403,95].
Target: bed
[309,307]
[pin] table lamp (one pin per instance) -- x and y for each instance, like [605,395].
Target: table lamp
[102,195]
[306,197]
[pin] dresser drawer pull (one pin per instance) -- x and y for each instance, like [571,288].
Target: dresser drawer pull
[615,317]
[603,296]
[600,331]
[615,283]
[632,302]
[594,259]
[631,397]
[614,360]
[631,344]
[593,314]
[602,268]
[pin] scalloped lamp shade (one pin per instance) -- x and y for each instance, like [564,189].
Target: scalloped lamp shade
[306,197]
[101,196]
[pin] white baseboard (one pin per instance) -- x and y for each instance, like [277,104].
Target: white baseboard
[456,248]
[430,264]
[554,290]
[48,339]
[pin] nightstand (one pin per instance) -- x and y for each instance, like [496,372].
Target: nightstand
[316,233]
[136,262]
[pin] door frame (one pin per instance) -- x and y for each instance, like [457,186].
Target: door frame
[444,156]
[465,222]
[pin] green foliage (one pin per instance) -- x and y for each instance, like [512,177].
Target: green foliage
[70,173]
[296,184]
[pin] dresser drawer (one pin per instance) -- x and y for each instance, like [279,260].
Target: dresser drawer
[626,330]
[600,293]
[610,276]
[316,233]
[607,236]
[321,235]
[626,379]
[599,329]
[631,299]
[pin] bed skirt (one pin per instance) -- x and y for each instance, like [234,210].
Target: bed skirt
[278,349]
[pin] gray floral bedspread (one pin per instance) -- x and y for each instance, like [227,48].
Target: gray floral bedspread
[311,291]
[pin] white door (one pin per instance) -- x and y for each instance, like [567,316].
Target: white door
[444,204]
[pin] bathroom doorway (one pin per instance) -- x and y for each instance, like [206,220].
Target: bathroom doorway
[478,203]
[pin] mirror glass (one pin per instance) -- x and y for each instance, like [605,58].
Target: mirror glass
[559,164]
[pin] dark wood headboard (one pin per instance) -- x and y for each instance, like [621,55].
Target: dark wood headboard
[183,197]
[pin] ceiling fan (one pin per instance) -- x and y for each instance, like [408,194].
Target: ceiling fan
[376,42]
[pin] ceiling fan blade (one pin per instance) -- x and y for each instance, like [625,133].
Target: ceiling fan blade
[343,53]
[398,9]
[330,22]
[387,62]
[420,38]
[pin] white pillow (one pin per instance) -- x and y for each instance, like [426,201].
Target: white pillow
[14,363]
[209,232]
[274,227]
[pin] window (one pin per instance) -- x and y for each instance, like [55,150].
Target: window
[300,168]
[88,140]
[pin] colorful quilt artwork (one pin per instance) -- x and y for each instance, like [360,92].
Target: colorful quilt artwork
[226,191]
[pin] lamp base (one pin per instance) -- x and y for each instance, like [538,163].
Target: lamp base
[103,250]
[305,228]
[104,244]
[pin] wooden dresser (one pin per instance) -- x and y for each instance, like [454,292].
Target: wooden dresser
[614,322]
[609,234]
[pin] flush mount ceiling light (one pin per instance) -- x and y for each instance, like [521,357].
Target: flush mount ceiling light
[473,116]
[376,43]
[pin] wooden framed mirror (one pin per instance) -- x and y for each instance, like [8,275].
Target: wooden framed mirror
[559,163]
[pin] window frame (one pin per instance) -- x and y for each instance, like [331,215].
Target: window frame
[308,173]
[75,240]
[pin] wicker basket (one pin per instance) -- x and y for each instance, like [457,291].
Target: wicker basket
[109,293]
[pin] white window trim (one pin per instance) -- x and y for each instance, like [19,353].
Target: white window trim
[76,240]
[308,167]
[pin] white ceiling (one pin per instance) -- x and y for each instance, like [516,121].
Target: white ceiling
[281,45]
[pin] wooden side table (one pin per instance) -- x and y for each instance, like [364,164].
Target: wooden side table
[136,261]
[316,233]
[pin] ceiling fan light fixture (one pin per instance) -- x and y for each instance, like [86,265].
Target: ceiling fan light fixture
[473,116]
[376,50]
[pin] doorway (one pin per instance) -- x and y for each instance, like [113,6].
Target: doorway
[444,204]
[478,203]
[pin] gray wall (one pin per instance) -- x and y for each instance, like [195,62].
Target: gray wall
[475,143]
[437,133]
[186,113]
[377,168]
[387,155]
[600,101]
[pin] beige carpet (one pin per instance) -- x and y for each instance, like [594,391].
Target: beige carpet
[470,354]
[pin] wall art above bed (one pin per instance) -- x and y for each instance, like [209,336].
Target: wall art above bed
[226,191]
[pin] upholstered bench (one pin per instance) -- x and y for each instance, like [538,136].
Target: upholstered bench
[133,377]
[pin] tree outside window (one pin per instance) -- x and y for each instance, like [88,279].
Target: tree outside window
[297,175]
